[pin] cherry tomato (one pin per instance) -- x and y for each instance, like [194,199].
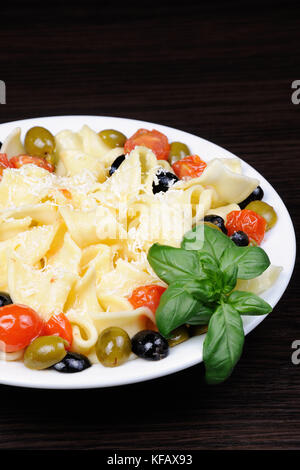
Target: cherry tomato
[4,160]
[4,163]
[247,221]
[147,296]
[189,167]
[154,140]
[20,160]
[59,325]
[19,325]
[2,168]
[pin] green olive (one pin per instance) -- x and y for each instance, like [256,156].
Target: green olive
[196,330]
[179,335]
[113,138]
[265,210]
[178,150]
[113,346]
[44,352]
[39,142]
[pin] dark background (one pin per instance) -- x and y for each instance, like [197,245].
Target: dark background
[221,70]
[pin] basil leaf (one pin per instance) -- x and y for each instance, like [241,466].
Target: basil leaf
[223,343]
[251,260]
[176,307]
[207,285]
[207,260]
[247,303]
[200,289]
[207,239]
[173,264]
[215,279]
[203,290]
[202,317]
[229,276]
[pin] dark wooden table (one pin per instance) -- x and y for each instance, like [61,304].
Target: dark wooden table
[214,70]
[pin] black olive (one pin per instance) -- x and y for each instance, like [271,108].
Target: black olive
[72,362]
[0,144]
[240,238]
[115,165]
[150,345]
[5,299]
[217,220]
[256,195]
[165,180]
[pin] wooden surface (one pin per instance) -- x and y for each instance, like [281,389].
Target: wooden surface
[214,70]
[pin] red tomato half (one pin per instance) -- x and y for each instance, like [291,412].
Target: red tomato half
[20,160]
[253,224]
[19,325]
[147,296]
[59,325]
[189,167]
[154,140]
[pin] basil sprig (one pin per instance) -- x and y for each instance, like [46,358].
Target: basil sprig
[201,276]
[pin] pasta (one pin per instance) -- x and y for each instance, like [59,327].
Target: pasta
[261,283]
[12,145]
[76,241]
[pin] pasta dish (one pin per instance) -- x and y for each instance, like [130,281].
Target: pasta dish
[91,226]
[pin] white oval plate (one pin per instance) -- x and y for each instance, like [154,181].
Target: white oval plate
[280,250]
